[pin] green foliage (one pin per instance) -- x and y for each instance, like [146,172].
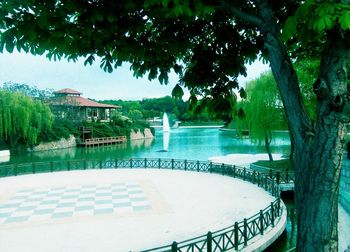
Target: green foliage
[312,20]
[307,71]
[118,126]
[135,115]
[177,92]
[278,165]
[61,128]
[27,90]
[22,119]
[262,111]
[151,107]
[200,41]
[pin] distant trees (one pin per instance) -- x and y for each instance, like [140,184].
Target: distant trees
[22,118]
[31,91]
[155,107]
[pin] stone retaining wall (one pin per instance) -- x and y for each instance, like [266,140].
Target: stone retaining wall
[137,135]
[61,144]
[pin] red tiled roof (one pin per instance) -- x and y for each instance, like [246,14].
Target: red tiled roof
[67,91]
[78,101]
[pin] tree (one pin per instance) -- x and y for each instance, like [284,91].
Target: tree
[207,44]
[262,110]
[22,119]
[28,90]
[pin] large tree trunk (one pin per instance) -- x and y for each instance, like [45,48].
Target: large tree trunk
[318,147]
[319,172]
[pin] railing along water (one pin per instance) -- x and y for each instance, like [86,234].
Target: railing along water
[234,237]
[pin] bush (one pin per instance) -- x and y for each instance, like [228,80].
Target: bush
[60,129]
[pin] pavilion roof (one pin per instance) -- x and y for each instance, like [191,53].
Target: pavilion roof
[67,91]
[78,101]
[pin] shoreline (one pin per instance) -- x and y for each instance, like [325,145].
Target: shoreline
[192,127]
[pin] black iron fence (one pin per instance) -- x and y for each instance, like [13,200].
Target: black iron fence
[234,237]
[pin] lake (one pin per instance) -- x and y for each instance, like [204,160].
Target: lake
[184,143]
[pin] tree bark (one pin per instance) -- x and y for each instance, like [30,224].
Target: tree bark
[268,139]
[317,196]
[318,146]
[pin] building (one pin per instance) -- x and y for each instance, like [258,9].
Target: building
[68,103]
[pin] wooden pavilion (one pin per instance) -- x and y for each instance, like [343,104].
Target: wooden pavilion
[68,103]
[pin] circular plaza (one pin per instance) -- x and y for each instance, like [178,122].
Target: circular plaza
[120,210]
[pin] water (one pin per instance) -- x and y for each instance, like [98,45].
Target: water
[190,144]
[288,238]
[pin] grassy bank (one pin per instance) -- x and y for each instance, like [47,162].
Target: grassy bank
[278,165]
[202,123]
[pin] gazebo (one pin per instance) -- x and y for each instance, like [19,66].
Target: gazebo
[68,103]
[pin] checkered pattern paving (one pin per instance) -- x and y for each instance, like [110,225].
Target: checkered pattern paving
[88,200]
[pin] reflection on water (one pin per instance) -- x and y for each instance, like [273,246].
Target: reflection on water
[197,143]
[166,138]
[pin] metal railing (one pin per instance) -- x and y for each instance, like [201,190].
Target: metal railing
[234,237]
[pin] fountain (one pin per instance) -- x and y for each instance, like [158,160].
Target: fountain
[166,133]
[166,127]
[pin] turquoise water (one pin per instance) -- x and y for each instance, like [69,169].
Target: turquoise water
[191,144]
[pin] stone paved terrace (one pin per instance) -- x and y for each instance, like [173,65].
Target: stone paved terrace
[120,210]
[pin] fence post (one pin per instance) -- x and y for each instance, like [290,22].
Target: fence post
[145,163]
[185,165]
[116,163]
[197,166]
[234,171]
[254,174]
[236,236]
[272,215]
[223,169]
[261,220]
[174,247]
[172,164]
[15,169]
[278,178]
[159,163]
[245,229]
[278,205]
[210,167]
[209,242]
[130,162]
[244,173]
[100,164]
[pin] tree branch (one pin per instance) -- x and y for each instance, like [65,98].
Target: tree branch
[255,20]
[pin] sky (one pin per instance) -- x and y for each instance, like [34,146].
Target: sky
[92,81]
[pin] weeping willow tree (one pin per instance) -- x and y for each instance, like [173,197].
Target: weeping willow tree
[261,112]
[22,118]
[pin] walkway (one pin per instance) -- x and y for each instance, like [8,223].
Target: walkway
[119,210]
